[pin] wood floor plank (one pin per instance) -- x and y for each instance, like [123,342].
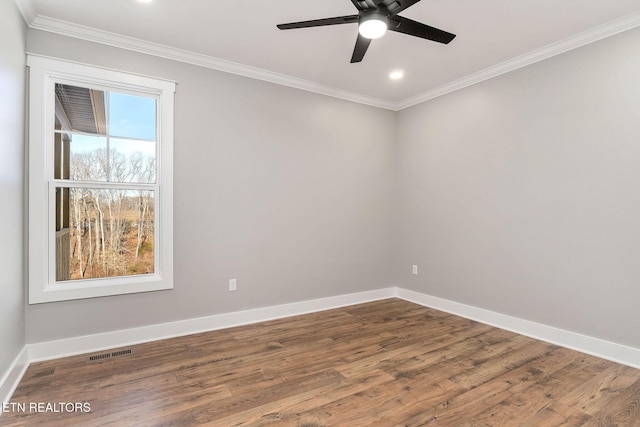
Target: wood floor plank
[290,410]
[624,411]
[557,414]
[514,410]
[457,355]
[419,395]
[596,394]
[486,368]
[385,363]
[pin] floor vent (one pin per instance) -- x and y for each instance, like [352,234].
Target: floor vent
[110,355]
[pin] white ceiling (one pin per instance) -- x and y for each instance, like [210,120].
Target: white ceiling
[492,37]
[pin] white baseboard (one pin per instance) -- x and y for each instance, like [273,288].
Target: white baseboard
[14,374]
[93,343]
[585,344]
[98,342]
[49,350]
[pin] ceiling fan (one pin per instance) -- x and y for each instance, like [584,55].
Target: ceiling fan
[374,18]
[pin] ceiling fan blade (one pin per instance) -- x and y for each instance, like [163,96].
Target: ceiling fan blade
[359,4]
[362,44]
[397,6]
[350,19]
[418,29]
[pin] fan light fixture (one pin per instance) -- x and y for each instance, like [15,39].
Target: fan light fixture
[372,25]
[374,18]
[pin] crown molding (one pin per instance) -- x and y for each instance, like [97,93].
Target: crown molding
[69,29]
[28,10]
[590,36]
[44,23]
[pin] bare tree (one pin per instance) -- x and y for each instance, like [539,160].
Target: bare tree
[104,244]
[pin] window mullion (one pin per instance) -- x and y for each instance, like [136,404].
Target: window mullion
[62,183]
[106,114]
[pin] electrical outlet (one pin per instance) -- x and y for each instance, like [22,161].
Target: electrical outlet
[414,270]
[233,285]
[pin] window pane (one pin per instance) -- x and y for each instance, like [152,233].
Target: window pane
[88,158]
[133,161]
[110,234]
[132,116]
[79,123]
[80,109]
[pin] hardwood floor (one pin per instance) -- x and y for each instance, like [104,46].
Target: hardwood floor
[386,363]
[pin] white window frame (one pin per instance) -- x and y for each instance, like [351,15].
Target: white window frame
[44,72]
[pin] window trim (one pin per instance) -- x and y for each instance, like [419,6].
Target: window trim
[44,72]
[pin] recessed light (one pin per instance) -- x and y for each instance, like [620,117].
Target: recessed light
[145,1]
[396,75]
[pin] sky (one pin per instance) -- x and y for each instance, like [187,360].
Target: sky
[131,117]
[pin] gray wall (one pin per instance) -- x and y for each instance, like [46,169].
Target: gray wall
[518,195]
[12,93]
[521,194]
[285,190]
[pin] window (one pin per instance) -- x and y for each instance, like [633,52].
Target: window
[100,182]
